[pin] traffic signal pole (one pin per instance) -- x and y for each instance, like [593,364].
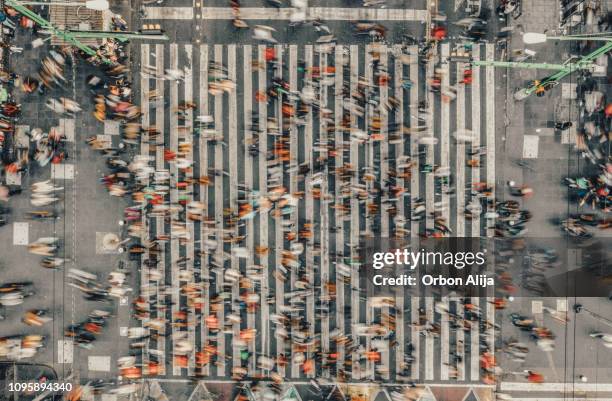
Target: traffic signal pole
[54,31]
[71,36]
[585,63]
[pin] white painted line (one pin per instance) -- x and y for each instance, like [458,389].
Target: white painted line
[65,350]
[66,126]
[189,247]
[159,88]
[530,146]
[444,343]
[62,171]
[123,331]
[490,123]
[144,150]
[323,13]
[174,245]
[430,155]
[218,58]
[557,387]
[414,144]
[474,345]
[460,156]
[233,181]
[99,363]
[475,87]
[338,214]
[460,343]
[111,127]
[180,13]
[354,211]
[21,233]
[266,334]
[249,173]
[561,305]
[568,91]
[22,140]
[13,178]
[203,149]
[429,340]
[445,127]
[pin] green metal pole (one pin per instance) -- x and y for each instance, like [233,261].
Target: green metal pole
[120,35]
[47,25]
[534,66]
[565,72]
[582,37]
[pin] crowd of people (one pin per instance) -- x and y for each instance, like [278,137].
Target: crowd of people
[148,192]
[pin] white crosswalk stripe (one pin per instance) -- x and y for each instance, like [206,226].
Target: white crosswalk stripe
[267,13]
[328,225]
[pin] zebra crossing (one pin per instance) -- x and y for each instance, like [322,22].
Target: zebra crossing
[218,324]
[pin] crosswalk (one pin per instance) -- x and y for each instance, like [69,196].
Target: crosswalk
[201,254]
[267,13]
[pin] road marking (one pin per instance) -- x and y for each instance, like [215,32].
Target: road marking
[445,127]
[189,247]
[537,307]
[429,340]
[323,13]
[339,216]
[203,149]
[144,150]
[111,127]
[414,143]
[99,363]
[219,195]
[233,181]
[160,165]
[65,350]
[174,245]
[530,146]
[249,172]
[66,126]
[164,13]
[354,228]
[21,233]
[557,387]
[475,345]
[263,188]
[267,13]
[444,342]
[62,171]
[460,152]
[475,87]
[490,123]
[561,305]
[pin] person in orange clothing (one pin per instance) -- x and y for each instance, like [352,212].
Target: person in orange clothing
[169,155]
[534,377]
[308,366]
